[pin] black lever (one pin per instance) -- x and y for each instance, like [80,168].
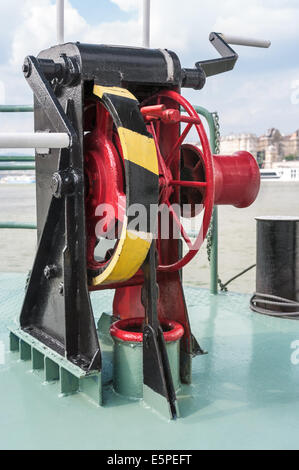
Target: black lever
[158,388]
[227,61]
[195,78]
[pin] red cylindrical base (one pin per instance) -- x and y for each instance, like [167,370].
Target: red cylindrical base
[131,330]
[237,179]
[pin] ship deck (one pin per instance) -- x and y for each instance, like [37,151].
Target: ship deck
[245,391]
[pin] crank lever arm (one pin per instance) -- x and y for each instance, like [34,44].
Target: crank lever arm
[158,385]
[216,66]
[228,56]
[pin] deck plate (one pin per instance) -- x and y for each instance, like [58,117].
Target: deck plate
[245,392]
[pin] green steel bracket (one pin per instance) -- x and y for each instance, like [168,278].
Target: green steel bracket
[104,324]
[55,367]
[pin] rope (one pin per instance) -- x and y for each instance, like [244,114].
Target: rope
[238,275]
[274,301]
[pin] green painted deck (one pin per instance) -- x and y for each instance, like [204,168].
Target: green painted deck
[245,392]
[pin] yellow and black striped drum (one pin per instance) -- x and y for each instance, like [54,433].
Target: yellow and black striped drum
[138,155]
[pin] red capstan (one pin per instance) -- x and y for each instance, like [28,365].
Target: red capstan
[236,177]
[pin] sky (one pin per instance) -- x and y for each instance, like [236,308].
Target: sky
[262,92]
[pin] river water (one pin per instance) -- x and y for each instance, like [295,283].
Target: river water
[237,233]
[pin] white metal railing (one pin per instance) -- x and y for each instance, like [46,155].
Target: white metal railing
[146,23]
[42,140]
[241,41]
[60,21]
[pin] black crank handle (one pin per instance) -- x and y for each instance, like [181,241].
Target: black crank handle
[196,78]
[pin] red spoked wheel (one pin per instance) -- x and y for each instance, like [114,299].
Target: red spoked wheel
[155,110]
[105,183]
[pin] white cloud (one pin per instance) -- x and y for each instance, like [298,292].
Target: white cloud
[128,5]
[252,100]
[118,32]
[256,19]
[37,28]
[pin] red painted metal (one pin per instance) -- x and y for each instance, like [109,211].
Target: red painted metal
[130,330]
[187,175]
[172,102]
[189,184]
[167,115]
[104,177]
[152,112]
[237,179]
[216,180]
[211,179]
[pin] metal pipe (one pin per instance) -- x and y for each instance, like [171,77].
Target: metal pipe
[19,159]
[214,253]
[36,140]
[214,222]
[12,108]
[16,167]
[146,23]
[14,225]
[241,41]
[60,21]
[214,276]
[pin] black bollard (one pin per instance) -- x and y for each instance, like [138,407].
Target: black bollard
[277,271]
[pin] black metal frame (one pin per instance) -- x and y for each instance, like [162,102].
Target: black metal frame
[57,309]
[156,368]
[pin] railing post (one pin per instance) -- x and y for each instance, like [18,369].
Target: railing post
[60,21]
[146,23]
[214,253]
[214,227]
[211,120]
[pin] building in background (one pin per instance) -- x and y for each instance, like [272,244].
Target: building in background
[270,149]
[234,143]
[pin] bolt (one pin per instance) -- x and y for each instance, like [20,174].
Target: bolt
[146,339]
[56,185]
[64,183]
[26,68]
[50,272]
[61,288]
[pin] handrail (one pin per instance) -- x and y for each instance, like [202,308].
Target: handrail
[16,108]
[214,278]
[25,158]
[16,167]
[11,225]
